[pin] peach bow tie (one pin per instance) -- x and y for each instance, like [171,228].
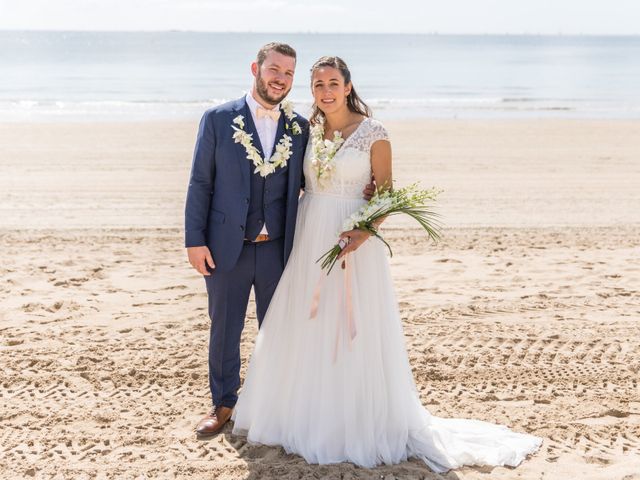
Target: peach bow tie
[273,114]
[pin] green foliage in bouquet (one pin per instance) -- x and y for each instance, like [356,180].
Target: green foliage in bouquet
[409,200]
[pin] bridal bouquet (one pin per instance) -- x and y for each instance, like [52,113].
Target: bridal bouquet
[409,200]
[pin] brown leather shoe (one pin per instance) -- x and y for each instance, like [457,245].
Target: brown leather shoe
[213,423]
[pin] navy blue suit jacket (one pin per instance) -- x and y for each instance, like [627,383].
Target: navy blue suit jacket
[219,185]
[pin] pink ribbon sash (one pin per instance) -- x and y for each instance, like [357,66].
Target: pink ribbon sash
[350,323]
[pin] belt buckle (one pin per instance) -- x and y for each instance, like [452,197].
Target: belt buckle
[262,237]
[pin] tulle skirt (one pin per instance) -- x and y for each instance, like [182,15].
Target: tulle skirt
[329,378]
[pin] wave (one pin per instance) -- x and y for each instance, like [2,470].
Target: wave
[44,109]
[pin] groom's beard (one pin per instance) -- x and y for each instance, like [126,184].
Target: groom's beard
[263,90]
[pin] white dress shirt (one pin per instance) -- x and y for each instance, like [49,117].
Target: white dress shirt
[266,128]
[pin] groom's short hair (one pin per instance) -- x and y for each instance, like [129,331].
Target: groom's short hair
[282,48]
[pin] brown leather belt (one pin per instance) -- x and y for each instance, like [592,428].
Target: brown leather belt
[262,237]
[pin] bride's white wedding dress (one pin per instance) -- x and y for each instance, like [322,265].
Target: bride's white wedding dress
[337,386]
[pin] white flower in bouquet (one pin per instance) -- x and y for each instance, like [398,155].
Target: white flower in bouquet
[409,200]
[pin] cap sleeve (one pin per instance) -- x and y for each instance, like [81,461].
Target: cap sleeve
[377,132]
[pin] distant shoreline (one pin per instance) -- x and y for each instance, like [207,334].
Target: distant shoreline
[422,34]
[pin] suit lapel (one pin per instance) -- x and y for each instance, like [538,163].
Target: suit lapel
[279,131]
[295,169]
[250,127]
[245,164]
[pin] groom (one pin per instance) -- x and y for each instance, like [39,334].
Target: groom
[241,210]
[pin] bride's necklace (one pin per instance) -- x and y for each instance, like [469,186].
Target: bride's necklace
[324,151]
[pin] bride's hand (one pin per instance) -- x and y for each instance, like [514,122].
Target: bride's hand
[353,239]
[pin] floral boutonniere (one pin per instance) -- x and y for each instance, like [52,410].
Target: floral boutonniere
[287,108]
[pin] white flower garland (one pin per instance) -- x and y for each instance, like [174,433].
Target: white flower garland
[282,150]
[324,150]
[287,108]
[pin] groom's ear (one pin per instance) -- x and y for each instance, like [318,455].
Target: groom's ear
[254,68]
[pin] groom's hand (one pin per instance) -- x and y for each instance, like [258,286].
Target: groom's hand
[197,258]
[369,190]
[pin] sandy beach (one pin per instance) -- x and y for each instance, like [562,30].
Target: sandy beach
[526,313]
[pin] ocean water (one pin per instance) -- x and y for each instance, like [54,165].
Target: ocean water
[177,75]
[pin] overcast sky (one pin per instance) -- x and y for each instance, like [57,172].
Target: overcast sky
[596,17]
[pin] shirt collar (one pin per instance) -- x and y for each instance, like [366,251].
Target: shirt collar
[253,104]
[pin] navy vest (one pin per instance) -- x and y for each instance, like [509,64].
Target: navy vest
[267,203]
[268,195]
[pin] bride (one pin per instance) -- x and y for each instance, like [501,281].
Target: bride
[329,378]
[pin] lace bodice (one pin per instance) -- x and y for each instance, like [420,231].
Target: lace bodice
[352,165]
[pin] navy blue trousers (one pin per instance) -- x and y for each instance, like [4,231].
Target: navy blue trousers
[260,266]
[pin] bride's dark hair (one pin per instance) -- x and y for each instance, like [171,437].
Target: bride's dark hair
[354,102]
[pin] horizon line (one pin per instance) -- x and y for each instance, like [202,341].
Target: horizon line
[434,33]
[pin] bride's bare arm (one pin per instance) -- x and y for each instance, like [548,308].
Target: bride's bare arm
[381,167]
[381,164]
